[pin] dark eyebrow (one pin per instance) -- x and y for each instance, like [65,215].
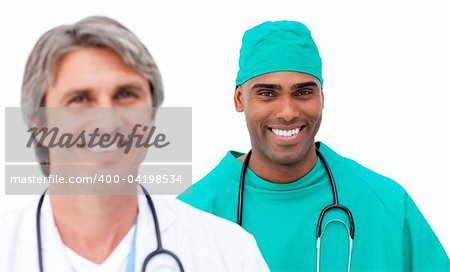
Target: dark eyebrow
[86,91]
[304,84]
[76,92]
[278,87]
[266,86]
[132,86]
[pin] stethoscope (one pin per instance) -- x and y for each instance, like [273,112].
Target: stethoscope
[158,251]
[319,231]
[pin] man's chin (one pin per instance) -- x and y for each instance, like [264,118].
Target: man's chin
[286,160]
[98,188]
[287,155]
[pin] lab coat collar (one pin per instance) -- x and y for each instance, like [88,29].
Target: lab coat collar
[55,256]
[164,210]
[146,235]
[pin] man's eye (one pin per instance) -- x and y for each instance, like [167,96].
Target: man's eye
[303,92]
[78,99]
[124,94]
[266,93]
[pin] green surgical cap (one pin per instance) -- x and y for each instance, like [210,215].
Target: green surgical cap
[278,46]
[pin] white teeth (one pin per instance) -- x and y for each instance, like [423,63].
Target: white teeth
[286,133]
[104,149]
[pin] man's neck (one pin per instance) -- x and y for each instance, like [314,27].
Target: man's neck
[93,225]
[281,173]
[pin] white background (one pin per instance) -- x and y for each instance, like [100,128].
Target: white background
[386,78]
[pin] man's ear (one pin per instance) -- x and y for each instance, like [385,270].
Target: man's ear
[239,99]
[38,122]
[38,119]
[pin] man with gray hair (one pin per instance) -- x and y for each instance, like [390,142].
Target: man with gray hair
[98,64]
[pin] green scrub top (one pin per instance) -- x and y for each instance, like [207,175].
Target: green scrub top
[390,232]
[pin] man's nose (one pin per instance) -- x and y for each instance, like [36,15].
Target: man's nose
[287,110]
[109,119]
[104,115]
[104,101]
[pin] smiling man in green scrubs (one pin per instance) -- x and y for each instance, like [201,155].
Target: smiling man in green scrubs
[279,88]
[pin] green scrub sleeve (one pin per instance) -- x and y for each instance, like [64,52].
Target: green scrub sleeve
[422,249]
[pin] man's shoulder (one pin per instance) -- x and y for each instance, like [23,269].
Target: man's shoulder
[190,217]
[224,176]
[215,236]
[363,176]
[11,217]
[359,182]
[228,168]
[17,231]
[204,218]
[355,174]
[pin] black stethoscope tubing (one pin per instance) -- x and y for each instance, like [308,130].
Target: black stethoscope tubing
[159,249]
[334,205]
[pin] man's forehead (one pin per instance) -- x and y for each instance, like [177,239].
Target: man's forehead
[284,78]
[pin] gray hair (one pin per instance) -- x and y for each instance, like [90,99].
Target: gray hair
[95,31]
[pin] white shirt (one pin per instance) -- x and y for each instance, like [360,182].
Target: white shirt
[202,241]
[116,262]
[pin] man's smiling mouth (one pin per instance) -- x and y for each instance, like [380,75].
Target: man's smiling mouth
[107,147]
[287,132]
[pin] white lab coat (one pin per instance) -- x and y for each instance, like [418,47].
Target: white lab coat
[203,242]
